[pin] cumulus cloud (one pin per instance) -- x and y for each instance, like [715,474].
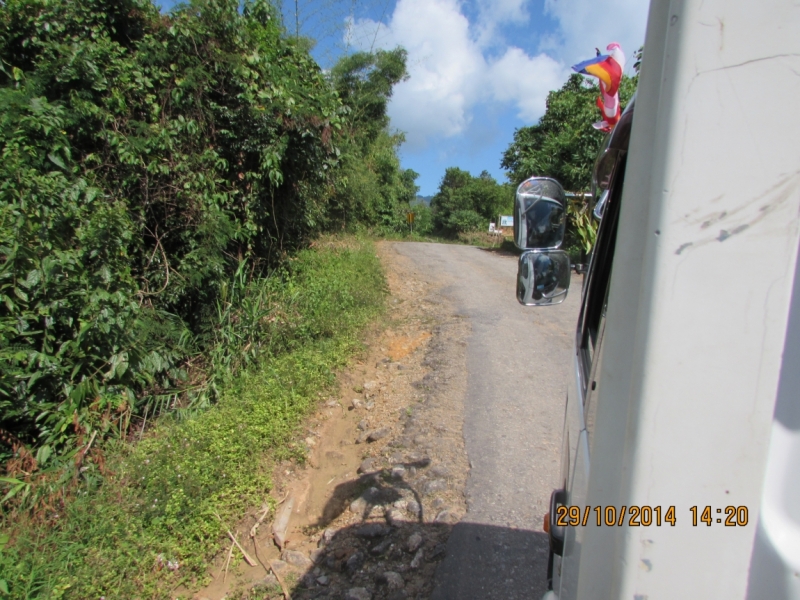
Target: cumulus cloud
[449,73]
[493,14]
[525,81]
[585,25]
[504,11]
[457,67]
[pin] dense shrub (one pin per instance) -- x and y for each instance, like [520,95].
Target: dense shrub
[423,218]
[171,497]
[147,162]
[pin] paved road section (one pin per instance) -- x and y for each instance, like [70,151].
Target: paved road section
[518,361]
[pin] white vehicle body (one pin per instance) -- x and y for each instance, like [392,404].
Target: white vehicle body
[687,391]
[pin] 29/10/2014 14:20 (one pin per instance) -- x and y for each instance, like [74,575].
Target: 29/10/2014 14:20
[646,516]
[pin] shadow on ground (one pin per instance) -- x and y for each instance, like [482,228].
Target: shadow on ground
[395,551]
[506,248]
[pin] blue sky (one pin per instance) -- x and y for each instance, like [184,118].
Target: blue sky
[478,69]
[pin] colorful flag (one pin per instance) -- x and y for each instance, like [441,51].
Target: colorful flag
[607,68]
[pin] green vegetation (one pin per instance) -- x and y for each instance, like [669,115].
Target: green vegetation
[147,162]
[152,168]
[423,218]
[374,190]
[563,145]
[137,510]
[161,178]
[465,203]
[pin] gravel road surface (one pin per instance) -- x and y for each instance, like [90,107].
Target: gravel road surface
[518,361]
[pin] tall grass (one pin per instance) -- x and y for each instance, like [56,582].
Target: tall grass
[140,509]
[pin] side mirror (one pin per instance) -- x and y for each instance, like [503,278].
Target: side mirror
[543,277]
[540,214]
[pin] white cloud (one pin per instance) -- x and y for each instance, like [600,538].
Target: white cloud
[504,11]
[449,74]
[493,14]
[525,81]
[457,67]
[587,24]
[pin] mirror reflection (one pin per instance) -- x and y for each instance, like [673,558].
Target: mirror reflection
[539,214]
[543,277]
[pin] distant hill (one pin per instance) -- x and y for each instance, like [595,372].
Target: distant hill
[424,199]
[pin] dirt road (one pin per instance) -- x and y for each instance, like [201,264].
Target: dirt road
[429,472]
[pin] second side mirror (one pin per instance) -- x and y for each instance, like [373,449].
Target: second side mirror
[543,277]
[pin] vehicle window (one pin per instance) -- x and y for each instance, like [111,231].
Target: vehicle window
[596,290]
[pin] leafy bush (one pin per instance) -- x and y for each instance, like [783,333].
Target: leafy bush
[147,162]
[462,221]
[374,191]
[173,496]
[423,218]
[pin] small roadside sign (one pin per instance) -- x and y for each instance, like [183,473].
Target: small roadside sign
[506,220]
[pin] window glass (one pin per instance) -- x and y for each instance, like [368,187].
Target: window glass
[599,275]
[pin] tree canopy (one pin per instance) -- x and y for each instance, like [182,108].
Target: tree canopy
[364,82]
[466,203]
[563,144]
[374,189]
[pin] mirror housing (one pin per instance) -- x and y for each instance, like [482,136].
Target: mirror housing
[543,277]
[540,214]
